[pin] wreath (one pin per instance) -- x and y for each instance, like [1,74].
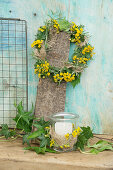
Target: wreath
[83,52]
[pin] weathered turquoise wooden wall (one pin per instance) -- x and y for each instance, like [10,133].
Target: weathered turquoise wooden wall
[92,99]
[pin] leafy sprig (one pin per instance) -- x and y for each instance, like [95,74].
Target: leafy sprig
[5,131]
[41,133]
[23,118]
[100,146]
[40,150]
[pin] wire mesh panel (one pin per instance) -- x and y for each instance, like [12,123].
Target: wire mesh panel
[13,68]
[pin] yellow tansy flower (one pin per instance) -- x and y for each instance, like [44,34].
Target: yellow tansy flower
[52,143]
[48,74]
[61,147]
[67,136]
[66,146]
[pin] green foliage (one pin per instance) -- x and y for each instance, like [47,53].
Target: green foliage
[76,81]
[35,134]
[64,25]
[36,149]
[100,146]
[6,132]
[40,150]
[42,135]
[24,119]
[41,132]
[83,138]
[26,140]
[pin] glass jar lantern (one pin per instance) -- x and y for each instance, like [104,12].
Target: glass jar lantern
[63,131]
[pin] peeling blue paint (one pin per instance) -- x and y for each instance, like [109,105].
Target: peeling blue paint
[71,51]
[95,118]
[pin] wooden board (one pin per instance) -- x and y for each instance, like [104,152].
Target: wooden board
[14,157]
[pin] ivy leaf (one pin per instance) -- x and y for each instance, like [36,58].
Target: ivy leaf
[105,147]
[64,25]
[24,119]
[50,150]
[76,81]
[35,134]
[19,108]
[38,150]
[41,123]
[94,151]
[26,140]
[83,138]
[43,142]
[100,146]
[6,132]
[38,126]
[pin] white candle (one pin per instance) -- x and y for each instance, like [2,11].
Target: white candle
[62,128]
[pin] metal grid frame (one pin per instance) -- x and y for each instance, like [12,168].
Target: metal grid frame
[13,67]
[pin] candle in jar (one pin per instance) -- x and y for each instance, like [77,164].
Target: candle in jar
[62,128]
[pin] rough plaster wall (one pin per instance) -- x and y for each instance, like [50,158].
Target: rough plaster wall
[92,99]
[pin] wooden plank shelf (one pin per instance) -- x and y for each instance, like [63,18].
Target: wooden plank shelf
[14,157]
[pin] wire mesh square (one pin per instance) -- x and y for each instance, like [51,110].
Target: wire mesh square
[13,68]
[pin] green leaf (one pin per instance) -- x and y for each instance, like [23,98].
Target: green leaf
[38,126]
[83,138]
[26,140]
[64,25]
[43,142]
[6,132]
[76,81]
[42,123]
[20,108]
[94,151]
[50,150]
[4,127]
[24,119]
[38,150]
[105,147]
[35,134]
[100,146]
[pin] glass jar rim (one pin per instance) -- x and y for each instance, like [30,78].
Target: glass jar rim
[60,116]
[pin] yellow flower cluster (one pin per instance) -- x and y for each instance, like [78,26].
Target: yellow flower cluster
[67,136]
[80,60]
[68,77]
[87,49]
[66,146]
[77,34]
[42,29]
[52,143]
[37,42]
[56,25]
[76,132]
[73,27]
[43,69]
